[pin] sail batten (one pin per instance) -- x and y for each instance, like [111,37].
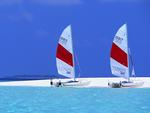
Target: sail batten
[119,54]
[64,54]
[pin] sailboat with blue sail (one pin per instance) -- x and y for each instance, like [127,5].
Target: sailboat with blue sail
[120,57]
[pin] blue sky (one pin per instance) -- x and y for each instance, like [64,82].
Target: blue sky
[30,29]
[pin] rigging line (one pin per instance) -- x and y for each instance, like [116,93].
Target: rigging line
[131,59]
[130,56]
[77,62]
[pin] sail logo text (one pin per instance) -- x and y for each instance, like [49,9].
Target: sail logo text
[118,39]
[63,40]
[119,70]
[68,71]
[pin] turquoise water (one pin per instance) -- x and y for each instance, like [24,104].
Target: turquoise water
[73,100]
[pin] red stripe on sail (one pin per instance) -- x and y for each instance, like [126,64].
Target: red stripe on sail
[64,55]
[119,55]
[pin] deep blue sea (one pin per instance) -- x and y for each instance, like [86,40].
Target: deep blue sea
[73,100]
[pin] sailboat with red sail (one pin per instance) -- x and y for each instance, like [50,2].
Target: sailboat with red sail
[65,58]
[119,59]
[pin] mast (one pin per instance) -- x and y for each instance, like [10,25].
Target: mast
[128,56]
[73,54]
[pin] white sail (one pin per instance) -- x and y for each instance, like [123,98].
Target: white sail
[119,53]
[64,55]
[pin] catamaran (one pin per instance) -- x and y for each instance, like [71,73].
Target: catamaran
[65,59]
[120,58]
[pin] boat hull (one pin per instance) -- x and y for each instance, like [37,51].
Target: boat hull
[132,84]
[122,84]
[76,84]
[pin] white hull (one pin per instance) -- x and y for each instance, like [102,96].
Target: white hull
[75,84]
[132,84]
[122,84]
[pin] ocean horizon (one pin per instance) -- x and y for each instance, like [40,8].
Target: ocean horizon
[43,77]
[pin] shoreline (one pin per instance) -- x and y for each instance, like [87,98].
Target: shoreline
[94,82]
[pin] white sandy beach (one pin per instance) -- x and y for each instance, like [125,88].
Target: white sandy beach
[94,82]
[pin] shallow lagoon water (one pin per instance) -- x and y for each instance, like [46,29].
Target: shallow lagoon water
[74,100]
